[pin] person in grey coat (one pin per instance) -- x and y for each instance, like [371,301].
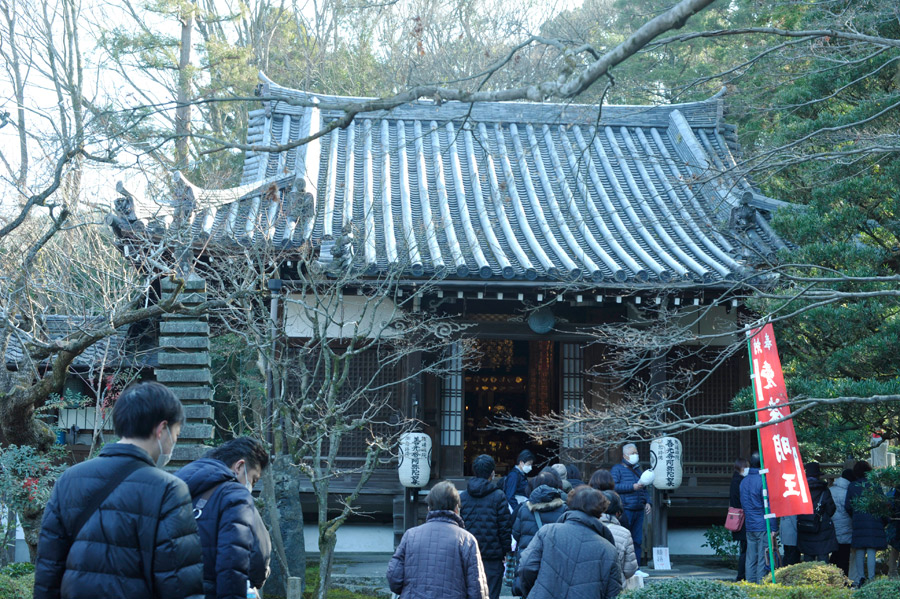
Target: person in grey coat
[787,533]
[843,526]
[571,559]
[439,558]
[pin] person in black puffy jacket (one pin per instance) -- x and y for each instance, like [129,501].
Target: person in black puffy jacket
[486,515]
[439,558]
[545,500]
[572,559]
[817,546]
[141,541]
[236,544]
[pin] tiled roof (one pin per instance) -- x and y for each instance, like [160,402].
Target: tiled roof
[110,351]
[501,190]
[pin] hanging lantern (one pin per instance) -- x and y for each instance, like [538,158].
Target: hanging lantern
[414,468]
[665,461]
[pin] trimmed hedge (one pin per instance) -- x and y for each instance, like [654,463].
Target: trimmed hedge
[20,587]
[812,573]
[806,591]
[687,588]
[880,588]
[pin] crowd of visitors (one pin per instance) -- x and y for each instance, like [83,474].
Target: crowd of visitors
[528,530]
[836,532]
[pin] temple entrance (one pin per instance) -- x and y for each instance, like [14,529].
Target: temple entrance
[514,377]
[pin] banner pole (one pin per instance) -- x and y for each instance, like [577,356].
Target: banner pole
[762,467]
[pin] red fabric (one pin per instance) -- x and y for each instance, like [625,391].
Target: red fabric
[735,519]
[786,481]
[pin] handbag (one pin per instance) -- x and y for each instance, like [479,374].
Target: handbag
[734,521]
[811,524]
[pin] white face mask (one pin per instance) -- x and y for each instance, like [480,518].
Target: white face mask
[633,458]
[526,468]
[247,482]
[164,457]
[745,472]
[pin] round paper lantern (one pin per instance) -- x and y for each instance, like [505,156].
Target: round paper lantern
[414,467]
[665,461]
[647,477]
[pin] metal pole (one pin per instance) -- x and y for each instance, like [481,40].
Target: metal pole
[762,473]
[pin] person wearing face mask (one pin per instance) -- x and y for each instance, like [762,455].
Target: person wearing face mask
[516,484]
[486,515]
[116,526]
[741,469]
[236,544]
[635,499]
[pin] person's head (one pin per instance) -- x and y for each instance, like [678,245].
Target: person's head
[588,500]
[602,480]
[150,416]
[861,468]
[246,457]
[740,465]
[813,470]
[630,453]
[525,461]
[483,466]
[572,472]
[847,474]
[615,503]
[546,477]
[443,496]
[560,471]
[754,459]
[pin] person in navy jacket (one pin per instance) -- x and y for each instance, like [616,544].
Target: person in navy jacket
[635,499]
[236,544]
[515,486]
[755,521]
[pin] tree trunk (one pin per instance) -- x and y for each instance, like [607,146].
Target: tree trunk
[185,78]
[327,543]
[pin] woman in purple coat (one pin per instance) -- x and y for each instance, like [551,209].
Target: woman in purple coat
[439,558]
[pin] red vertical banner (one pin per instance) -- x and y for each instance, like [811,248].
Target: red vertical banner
[786,480]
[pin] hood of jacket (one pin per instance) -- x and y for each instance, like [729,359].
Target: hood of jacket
[841,483]
[610,519]
[480,487]
[445,516]
[545,498]
[585,519]
[204,474]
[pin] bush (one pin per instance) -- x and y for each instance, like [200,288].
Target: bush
[812,573]
[806,591]
[719,539]
[687,588]
[17,569]
[880,588]
[17,588]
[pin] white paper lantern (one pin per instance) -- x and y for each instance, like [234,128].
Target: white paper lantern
[414,468]
[665,461]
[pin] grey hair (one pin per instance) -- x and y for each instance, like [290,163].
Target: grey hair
[628,446]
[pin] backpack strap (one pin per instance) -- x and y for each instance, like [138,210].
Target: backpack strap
[204,499]
[537,518]
[100,496]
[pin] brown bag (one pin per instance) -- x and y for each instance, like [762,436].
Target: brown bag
[735,519]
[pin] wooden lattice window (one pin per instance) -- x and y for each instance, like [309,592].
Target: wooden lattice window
[366,370]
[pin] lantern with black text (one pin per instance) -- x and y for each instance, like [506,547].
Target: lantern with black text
[414,468]
[665,461]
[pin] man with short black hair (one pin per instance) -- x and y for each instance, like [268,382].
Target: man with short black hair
[236,544]
[116,526]
[486,515]
[516,486]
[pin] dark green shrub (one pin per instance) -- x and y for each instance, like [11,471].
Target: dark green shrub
[687,588]
[807,591]
[17,569]
[811,573]
[880,588]
[17,588]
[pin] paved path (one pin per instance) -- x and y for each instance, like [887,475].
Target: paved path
[366,571]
